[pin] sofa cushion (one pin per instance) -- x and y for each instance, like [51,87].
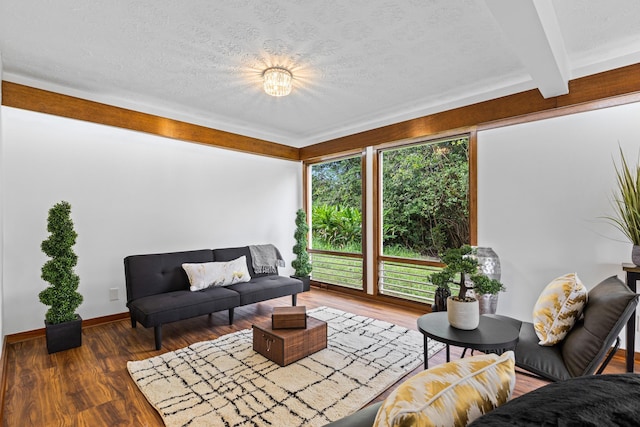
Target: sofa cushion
[169,307]
[267,287]
[453,393]
[610,305]
[545,361]
[203,275]
[160,273]
[558,308]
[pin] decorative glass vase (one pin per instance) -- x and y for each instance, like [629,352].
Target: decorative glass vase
[488,262]
[488,303]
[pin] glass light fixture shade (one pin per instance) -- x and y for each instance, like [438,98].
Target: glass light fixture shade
[277,81]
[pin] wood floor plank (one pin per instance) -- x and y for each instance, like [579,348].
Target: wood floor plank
[90,385]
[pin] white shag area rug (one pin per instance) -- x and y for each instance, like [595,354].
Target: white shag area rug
[224,382]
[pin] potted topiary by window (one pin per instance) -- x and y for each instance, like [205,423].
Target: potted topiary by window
[462,310]
[301,264]
[487,291]
[63,326]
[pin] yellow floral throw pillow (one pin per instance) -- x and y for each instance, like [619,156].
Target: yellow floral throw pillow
[451,394]
[558,308]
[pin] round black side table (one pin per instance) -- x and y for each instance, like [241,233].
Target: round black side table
[492,335]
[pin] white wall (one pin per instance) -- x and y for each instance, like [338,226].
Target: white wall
[542,190]
[130,193]
[1,212]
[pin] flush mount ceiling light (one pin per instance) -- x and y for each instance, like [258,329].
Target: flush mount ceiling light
[277,81]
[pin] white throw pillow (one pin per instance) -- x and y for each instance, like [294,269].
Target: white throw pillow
[207,274]
[558,308]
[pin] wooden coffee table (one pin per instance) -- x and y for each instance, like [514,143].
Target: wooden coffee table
[285,346]
[491,335]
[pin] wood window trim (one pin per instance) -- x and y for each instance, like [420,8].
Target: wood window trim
[42,101]
[602,90]
[606,89]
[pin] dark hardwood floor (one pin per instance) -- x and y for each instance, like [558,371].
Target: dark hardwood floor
[90,385]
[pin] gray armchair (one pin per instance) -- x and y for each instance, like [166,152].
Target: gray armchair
[609,305]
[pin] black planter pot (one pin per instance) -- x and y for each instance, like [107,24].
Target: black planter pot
[306,282]
[63,336]
[440,299]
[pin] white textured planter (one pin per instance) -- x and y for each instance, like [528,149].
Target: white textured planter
[463,315]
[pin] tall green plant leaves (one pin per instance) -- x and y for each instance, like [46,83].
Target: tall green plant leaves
[626,201]
[337,226]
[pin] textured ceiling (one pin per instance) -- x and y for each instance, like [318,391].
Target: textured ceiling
[357,64]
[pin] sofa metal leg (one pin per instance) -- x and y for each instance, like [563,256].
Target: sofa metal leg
[157,332]
[294,299]
[133,322]
[231,316]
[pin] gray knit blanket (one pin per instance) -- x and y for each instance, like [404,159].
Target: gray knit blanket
[265,259]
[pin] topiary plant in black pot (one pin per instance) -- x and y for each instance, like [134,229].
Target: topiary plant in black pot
[63,326]
[301,264]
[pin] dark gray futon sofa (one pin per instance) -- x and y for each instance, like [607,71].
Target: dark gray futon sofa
[158,288]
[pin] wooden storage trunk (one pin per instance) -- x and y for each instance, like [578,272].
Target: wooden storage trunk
[285,346]
[289,317]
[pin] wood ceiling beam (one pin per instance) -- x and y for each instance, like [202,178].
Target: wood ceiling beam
[42,101]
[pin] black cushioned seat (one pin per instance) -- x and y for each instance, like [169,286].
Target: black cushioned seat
[169,307]
[267,287]
[609,305]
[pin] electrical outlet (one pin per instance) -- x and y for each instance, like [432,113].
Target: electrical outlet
[113,294]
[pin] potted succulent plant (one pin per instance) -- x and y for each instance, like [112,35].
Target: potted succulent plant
[487,291]
[626,203]
[63,326]
[301,264]
[463,311]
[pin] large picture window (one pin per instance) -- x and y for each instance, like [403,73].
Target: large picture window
[425,198]
[336,222]
[424,209]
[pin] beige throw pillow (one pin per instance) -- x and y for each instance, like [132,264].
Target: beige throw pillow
[451,394]
[558,308]
[204,275]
